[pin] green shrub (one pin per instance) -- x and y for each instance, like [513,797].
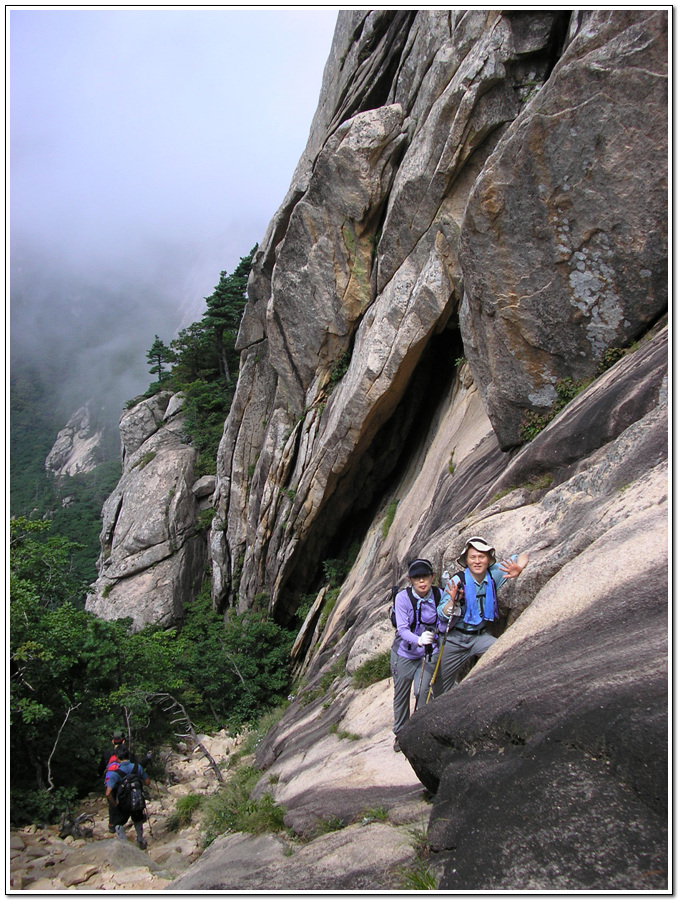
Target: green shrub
[328,606]
[233,809]
[335,671]
[417,876]
[539,482]
[204,520]
[255,733]
[450,465]
[327,679]
[372,670]
[388,518]
[183,813]
[335,571]
[374,814]
[27,806]
[342,734]
[611,356]
[145,460]
[533,423]
[339,369]
[328,825]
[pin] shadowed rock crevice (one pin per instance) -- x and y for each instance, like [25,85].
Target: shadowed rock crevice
[354,497]
[379,50]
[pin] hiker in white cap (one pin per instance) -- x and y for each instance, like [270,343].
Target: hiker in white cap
[469,604]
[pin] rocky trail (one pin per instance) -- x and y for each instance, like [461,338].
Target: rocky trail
[42,861]
[368,850]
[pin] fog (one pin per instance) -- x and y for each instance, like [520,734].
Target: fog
[149,149]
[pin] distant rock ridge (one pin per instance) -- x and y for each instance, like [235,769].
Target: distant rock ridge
[76,449]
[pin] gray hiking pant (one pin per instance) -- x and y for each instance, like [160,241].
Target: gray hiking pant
[406,673]
[458,649]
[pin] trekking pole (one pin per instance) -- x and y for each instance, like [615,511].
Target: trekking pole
[426,657]
[457,596]
[440,656]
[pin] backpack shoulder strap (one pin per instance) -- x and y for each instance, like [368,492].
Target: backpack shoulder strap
[415,609]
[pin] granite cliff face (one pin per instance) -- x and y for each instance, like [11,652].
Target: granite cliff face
[77,446]
[479,217]
[153,549]
[477,226]
[477,185]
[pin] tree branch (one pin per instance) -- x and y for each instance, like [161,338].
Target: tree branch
[49,759]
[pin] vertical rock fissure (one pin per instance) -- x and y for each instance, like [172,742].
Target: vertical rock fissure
[351,502]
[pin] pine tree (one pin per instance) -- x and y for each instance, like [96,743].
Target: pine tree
[158,357]
[225,308]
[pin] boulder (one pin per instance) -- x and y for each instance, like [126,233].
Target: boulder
[354,859]
[560,260]
[558,738]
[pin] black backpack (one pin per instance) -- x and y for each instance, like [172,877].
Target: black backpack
[129,791]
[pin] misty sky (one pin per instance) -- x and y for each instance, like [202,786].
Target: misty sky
[149,149]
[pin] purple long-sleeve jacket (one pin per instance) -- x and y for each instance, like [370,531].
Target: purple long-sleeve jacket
[407,631]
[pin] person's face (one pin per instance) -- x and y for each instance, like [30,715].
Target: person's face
[422,584]
[478,562]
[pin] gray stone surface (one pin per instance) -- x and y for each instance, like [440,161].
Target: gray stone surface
[480,211]
[560,259]
[152,556]
[76,448]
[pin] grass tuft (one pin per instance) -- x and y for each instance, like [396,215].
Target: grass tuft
[233,809]
[375,669]
[183,813]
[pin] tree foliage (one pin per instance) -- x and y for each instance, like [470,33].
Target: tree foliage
[74,677]
[225,308]
[159,357]
[200,361]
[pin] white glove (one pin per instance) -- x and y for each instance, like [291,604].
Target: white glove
[426,638]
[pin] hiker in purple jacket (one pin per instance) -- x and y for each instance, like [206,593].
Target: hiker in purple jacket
[415,646]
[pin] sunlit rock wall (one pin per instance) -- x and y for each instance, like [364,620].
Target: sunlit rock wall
[478,185]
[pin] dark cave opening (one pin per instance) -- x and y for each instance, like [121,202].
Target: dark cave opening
[346,517]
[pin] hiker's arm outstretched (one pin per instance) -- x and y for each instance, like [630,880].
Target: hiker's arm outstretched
[511,568]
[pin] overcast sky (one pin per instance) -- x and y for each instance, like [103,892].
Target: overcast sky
[149,149]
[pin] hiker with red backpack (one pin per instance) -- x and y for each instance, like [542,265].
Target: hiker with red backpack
[118,742]
[125,782]
[415,646]
[469,604]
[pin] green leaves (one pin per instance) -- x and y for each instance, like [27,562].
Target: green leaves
[225,308]
[159,357]
[74,677]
